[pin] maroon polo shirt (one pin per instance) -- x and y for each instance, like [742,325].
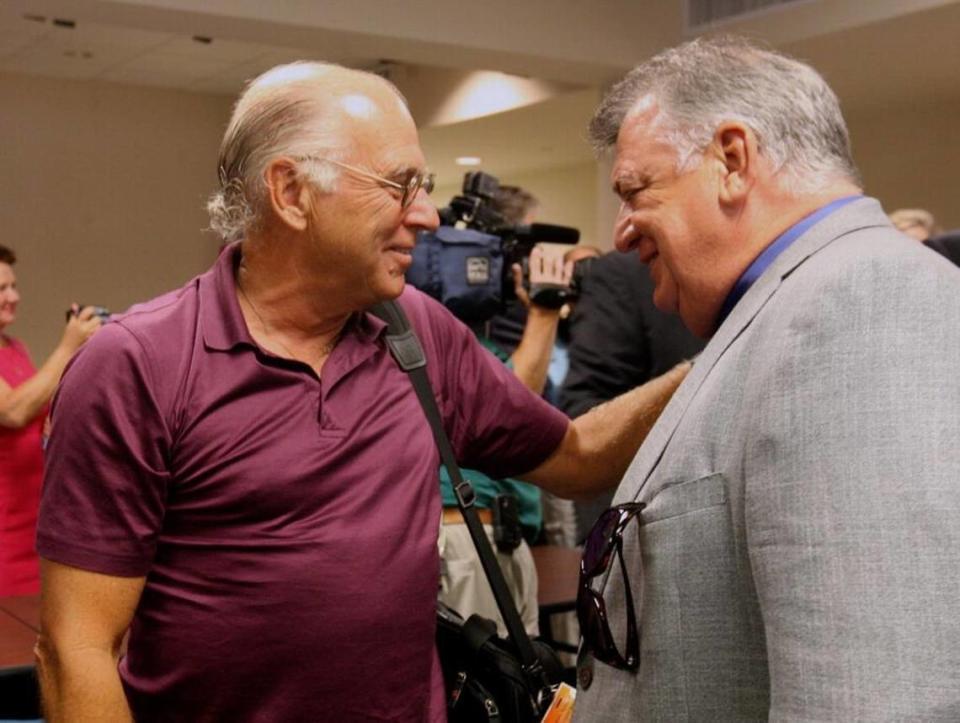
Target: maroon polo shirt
[286,524]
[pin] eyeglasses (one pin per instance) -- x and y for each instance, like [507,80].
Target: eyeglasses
[408,189]
[604,539]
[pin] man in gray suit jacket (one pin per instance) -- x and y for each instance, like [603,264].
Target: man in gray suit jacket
[797,556]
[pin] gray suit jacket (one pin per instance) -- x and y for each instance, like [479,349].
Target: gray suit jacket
[799,556]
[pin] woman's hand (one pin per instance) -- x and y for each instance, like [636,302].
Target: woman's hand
[83,324]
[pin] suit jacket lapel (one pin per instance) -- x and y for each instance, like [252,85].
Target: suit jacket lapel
[856,215]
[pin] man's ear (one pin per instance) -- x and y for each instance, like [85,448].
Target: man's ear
[736,146]
[288,193]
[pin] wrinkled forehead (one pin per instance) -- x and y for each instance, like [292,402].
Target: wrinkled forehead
[642,140]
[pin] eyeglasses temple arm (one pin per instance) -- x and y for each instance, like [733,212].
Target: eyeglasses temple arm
[633,642]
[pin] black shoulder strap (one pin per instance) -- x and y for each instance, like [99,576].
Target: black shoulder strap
[406,349]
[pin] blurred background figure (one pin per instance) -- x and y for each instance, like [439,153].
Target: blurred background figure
[915,223]
[946,244]
[559,515]
[517,206]
[922,226]
[24,394]
[560,359]
[464,586]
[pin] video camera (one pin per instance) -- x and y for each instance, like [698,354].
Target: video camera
[466,263]
[100,311]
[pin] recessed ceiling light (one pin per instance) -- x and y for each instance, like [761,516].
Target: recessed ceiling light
[469,161]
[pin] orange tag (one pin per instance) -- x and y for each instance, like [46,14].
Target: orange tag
[561,709]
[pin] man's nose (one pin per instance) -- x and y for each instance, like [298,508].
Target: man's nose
[422,213]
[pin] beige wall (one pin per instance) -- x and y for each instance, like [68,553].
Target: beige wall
[910,157]
[102,190]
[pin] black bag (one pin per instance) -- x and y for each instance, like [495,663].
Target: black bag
[487,678]
[483,675]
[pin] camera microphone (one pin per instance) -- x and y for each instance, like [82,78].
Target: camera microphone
[547,233]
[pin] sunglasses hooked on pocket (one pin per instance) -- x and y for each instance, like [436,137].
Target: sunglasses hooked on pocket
[605,542]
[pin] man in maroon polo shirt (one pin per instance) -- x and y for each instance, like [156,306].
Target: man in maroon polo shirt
[241,475]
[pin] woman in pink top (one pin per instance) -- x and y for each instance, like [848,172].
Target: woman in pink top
[24,394]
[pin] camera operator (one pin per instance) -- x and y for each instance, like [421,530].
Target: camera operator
[517,206]
[482,256]
[485,255]
[514,505]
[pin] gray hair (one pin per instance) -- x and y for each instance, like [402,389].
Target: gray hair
[279,113]
[702,83]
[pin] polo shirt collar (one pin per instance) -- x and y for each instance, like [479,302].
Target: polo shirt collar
[221,320]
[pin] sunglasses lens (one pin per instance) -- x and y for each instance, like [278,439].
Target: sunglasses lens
[596,548]
[592,616]
[589,617]
[599,543]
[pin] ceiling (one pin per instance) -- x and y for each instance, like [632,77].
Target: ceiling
[34,43]
[874,54]
[908,59]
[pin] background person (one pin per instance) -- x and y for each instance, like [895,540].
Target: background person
[463,583]
[946,244]
[559,515]
[24,393]
[917,223]
[560,358]
[796,558]
[518,206]
[618,340]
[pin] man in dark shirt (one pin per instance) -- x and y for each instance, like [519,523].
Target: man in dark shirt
[242,476]
[946,244]
[618,340]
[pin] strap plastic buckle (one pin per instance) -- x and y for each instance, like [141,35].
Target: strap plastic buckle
[465,493]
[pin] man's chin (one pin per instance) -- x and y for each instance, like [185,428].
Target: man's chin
[391,288]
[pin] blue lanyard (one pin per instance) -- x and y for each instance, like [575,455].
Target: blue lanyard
[777,247]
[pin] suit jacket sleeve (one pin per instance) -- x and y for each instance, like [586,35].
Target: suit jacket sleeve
[852,502]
